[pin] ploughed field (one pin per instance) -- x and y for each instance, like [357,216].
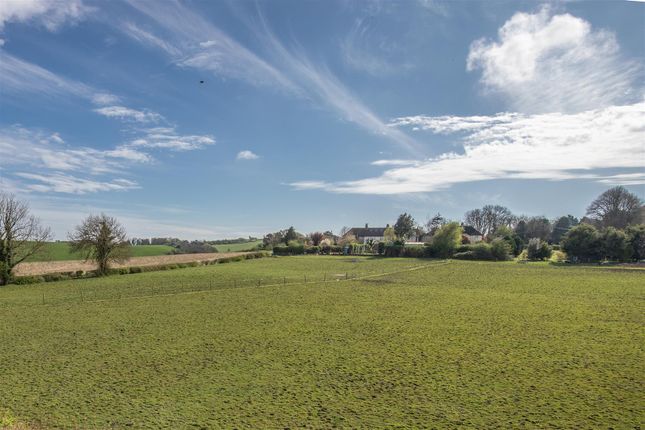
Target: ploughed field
[43,267]
[359,343]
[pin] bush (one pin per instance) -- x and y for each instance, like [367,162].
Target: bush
[312,250]
[53,277]
[447,239]
[615,245]
[538,249]
[26,280]
[582,243]
[414,251]
[500,249]
[636,238]
[393,250]
[558,257]
[135,269]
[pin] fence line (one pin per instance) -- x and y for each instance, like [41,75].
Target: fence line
[238,284]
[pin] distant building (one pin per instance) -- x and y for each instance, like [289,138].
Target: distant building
[364,234]
[472,234]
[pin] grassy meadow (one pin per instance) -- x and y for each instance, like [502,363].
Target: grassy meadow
[363,343]
[59,251]
[238,247]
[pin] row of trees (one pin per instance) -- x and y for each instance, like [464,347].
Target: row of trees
[99,238]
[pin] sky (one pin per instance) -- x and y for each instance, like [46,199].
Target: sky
[207,120]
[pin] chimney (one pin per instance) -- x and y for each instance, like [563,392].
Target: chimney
[366,225]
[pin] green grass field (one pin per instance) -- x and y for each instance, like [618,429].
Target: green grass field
[59,251]
[238,247]
[381,343]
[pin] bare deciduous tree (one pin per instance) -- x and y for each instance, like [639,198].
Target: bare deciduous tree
[21,235]
[617,208]
[316,237]
[102,239]
[489,218]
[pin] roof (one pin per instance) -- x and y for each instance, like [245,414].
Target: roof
[369,231]
[471,231]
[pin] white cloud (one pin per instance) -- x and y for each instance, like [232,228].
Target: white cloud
[55,137]
[205,47]
[198,44]
[50,13]
[247,155]
[554,63]
[321,85]
[64,183]
[47,154]
[167,138]
[18,76]
[367,51]
[551,146]
[128,114]
[146,38]
[1,42]
[103,99]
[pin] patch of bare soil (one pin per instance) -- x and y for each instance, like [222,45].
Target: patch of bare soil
[43,267]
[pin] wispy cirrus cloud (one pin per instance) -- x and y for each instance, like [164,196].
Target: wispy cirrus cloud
[69,184]
[22,77]
[168,138]
[37,149]
[204,46]
[542,62]
[553,146]
[129,114]
[62,168]
[366,50]
[192,41]
[51,14]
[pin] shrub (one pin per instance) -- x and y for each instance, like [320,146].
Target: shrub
[280,250]
[636,238]
[538,249]
[53,277]
[135,269]
[482,251]
[582,243]
[393,250]
[380,248]
[312,250]
[500,249]
[25,280]
[447,239]
[558,257]
[413,251]
[296,248]
[615,245]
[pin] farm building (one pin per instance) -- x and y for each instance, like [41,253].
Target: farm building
[364,234]
[472,234]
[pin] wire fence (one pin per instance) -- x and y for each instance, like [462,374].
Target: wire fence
[96,293]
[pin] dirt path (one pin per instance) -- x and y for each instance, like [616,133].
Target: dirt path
[42,267]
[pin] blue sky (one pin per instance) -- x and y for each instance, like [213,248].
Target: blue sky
[316,114]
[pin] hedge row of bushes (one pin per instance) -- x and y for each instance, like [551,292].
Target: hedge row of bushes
[300,249]
[79,274]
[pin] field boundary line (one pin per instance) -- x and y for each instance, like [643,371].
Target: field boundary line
[277,284]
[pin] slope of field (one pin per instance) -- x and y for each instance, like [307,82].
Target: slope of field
[238,247]
[43,267]
[59,251]
[364,343]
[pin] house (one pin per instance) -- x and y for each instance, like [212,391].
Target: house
[364,234]
[471,234]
